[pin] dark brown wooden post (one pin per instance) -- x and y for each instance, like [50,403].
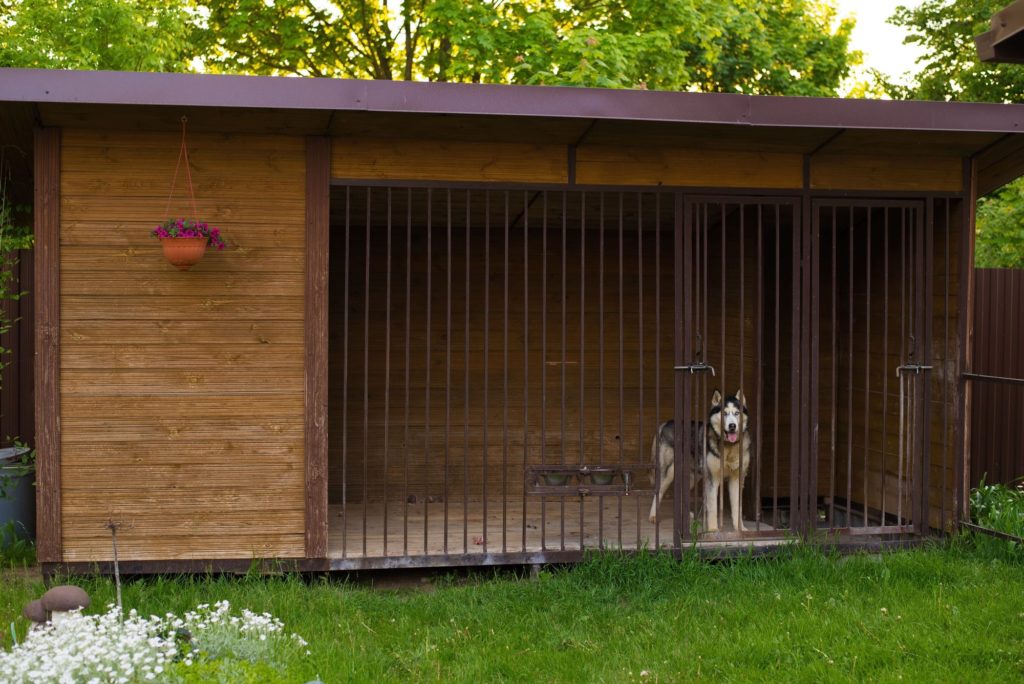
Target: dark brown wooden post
[318,199]
[47,343]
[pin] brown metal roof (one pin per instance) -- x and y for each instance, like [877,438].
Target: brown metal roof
[265,92]
[156,101]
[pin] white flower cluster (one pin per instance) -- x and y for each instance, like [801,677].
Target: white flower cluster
[103,648]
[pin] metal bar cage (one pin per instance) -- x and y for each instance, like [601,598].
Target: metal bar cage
[527,373]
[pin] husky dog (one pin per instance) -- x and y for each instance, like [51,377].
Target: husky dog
[663,454]
[726,455]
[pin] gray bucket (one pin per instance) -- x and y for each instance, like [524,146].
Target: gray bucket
[19,504]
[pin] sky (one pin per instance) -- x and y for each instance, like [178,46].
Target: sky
[881,43]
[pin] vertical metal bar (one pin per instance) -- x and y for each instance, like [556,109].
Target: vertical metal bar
[903,359]
[945,366]
[466,390]
[426,410]
[867,364]
[526,349]
[366,366]
[486,355]
[583,299]
[759,370]
[685,297]
[775,367]
[849,374]
[835,365]
[344,378]
[885,356]
[681,490]
[741,320]
[447,362]
[657,356]
[387,369]
[564,298]
[797,517]
[808,462]
[640,335]
[926,266]
[543,360]
[622,325]
[408,347]
[814,370]
[600,364]
[723,370]
[504,400]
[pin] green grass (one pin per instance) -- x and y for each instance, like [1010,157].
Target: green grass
[938,614]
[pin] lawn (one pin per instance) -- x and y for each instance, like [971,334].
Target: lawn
[946,613]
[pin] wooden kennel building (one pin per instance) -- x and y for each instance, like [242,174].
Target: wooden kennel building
[451,317]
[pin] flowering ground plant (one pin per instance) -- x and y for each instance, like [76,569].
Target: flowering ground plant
[185,228]
[207,644]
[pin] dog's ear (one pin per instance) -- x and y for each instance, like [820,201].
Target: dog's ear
[716,398]
[740,398]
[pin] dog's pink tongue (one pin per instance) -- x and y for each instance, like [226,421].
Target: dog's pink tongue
[732,436]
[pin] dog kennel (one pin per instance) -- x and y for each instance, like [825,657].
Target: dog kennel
[452,318]
[501,358]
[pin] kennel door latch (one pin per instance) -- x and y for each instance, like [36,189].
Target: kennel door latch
[914,368]
[699,367]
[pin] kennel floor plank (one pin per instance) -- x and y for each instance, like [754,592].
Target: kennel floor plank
[426,527]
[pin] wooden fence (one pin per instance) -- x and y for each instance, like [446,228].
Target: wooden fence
[997,412]
[17,418]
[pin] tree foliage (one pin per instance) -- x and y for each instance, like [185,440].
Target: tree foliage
[135,35]
[789,46]
[950,70]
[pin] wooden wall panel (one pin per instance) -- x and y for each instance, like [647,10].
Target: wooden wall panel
[886,173]
[182,391]
[608,165]
[436,160]
[47,217]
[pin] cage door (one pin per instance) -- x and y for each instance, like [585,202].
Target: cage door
[874,320]
[736,358]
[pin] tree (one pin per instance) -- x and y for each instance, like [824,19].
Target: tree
[135,35]
[788,46]
[950,70]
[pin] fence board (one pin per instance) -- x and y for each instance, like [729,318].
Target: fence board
[997,409]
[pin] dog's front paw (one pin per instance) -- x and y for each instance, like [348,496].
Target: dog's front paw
[712,528]
[653,518]
[742,527]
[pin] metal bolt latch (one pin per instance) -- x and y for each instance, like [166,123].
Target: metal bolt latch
[914,368]
[699,367]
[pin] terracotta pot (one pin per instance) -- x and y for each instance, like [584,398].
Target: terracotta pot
[184,253]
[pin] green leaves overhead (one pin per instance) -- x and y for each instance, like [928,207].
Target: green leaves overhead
[792,46]
[138,35]
[950,68]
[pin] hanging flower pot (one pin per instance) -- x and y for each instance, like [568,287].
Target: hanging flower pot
[183,253]
[184,242]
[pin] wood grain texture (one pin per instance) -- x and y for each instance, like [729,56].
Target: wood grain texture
[49,547]
[886,172]
[318,227]
[183,392]
[621,165]
[440,160]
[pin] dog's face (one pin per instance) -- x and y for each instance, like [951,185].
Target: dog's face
[729,419]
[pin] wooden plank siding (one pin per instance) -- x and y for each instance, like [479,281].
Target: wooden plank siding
[887,172]
[446,160]
[47,223]
[182,393]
